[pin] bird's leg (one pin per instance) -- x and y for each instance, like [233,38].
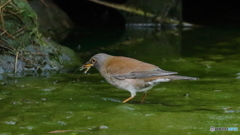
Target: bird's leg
[143,96]
[133,94]
[126,100]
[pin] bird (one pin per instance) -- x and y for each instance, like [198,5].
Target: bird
[130,74]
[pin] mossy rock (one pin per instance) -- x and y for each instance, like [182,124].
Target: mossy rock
[22,46]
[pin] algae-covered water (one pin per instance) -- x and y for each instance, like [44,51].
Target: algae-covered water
[77,103]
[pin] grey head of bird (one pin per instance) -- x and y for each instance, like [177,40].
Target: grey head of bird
[96,61]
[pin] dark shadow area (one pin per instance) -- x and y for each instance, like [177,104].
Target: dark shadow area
[88,14]
[211,12]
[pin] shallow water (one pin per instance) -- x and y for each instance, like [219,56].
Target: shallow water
[78,103]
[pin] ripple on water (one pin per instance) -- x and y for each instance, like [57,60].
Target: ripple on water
[11,122]
[48,89]
[103,127]
[62,123]
[111,99]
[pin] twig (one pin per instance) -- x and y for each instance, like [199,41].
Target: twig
[44,3]
[16,61]
[5,32]
[17,53]
[4,4]
[7,46]
[134,10]
[1,13]
[124,8]
[2,19]
[20,30]
[14,14]
[37,54]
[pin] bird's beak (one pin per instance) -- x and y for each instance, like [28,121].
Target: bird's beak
[87,65]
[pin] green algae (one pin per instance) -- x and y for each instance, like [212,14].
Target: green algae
[78,103]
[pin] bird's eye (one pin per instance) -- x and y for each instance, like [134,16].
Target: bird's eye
[93,60]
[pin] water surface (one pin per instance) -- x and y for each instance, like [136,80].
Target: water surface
[78,103]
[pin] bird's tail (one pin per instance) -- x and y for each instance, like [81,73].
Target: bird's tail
[178,77]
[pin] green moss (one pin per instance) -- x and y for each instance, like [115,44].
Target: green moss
[22,39]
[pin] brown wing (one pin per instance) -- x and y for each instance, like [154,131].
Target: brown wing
[128,68]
